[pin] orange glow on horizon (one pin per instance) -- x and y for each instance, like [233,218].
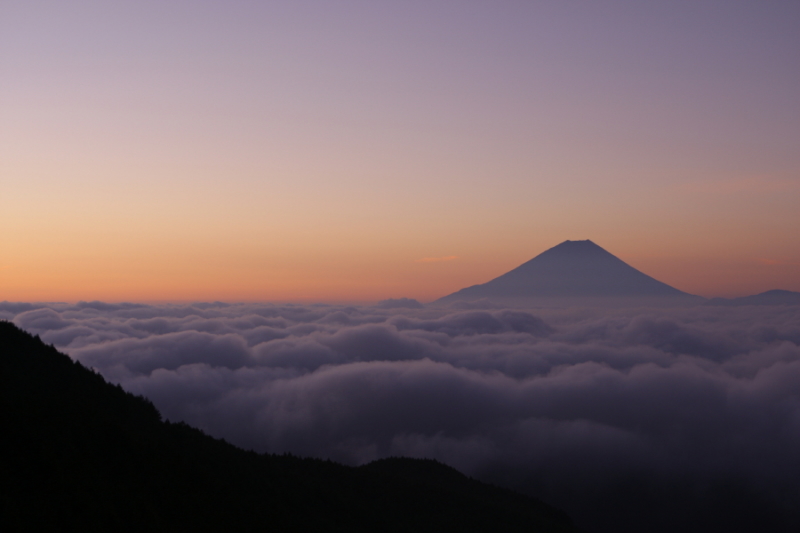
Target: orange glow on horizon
[326,278]
[392,152]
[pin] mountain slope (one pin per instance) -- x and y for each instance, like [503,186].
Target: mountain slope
[573,269]
[774,297]
[81,454]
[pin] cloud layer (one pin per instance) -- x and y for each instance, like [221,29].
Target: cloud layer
[627,419]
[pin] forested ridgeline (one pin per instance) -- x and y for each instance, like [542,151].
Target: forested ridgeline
[82,454]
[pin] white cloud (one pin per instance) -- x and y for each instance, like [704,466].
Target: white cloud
[579,407]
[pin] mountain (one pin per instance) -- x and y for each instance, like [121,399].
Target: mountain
[775,297]
[573,272]
[81,454]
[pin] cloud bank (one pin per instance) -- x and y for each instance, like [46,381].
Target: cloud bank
[630,420]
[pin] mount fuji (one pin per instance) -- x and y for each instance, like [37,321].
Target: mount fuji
[574,273]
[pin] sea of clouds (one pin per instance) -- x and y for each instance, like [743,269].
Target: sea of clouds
[629,419]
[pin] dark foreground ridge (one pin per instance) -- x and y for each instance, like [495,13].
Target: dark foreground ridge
[81,454]
[573,270]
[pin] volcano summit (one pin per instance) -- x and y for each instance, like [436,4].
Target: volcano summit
[574,273]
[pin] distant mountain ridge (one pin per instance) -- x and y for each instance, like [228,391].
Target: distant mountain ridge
[572,269]
[773,297]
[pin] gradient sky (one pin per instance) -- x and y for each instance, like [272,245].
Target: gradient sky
[354,151]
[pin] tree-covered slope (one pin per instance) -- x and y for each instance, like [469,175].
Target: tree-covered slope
[79,453]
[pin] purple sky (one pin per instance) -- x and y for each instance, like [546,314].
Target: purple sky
[320,150]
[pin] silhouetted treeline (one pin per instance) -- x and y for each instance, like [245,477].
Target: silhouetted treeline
[79,453]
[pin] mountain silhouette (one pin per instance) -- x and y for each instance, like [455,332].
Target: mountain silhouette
[774,297]
[575,271]
[80,454]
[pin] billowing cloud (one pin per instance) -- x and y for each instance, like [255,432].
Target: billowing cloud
[400,303]
[630,420]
